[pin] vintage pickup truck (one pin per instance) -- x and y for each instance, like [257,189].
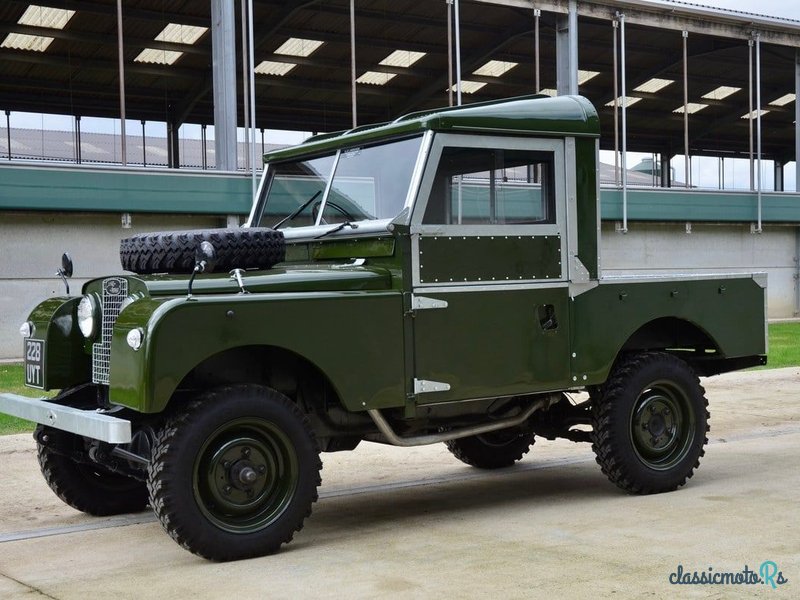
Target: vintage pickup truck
[433,279]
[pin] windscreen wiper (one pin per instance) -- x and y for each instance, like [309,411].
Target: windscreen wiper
[339,228]
[298,211]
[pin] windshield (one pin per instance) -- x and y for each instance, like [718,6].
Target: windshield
[369,182]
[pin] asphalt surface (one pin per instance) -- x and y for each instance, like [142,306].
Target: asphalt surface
[416,523]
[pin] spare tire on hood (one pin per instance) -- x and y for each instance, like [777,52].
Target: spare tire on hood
[174,251]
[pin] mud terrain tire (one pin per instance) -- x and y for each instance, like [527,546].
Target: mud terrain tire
[174,251]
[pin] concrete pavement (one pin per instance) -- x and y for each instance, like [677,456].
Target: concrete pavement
[416,523]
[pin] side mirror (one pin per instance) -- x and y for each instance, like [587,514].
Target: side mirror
[66,265]
[65,271]
[205,257]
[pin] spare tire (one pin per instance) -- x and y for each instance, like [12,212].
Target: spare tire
[174,251]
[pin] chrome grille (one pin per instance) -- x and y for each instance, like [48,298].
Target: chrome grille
[115,290]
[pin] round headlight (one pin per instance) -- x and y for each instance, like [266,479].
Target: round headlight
[87,316]
[26,329]
[134,338]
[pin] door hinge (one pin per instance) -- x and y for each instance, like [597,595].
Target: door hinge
[423,386]
[425,303]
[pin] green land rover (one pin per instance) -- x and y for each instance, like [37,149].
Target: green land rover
[435,279]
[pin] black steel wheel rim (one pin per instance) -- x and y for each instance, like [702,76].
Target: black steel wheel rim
[245,475]
[662,425]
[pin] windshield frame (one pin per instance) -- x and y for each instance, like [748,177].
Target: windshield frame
[364,225]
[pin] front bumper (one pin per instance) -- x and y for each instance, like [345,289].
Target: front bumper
[90,423]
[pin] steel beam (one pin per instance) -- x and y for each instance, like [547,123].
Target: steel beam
[223,50]
[567,51]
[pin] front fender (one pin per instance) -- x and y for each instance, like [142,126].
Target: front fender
[66,361]
[354,338]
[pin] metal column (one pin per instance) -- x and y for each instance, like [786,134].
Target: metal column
[750,110]
[778,178]
[536,16]
[797,119]
[567,51]
[449,5]
[458,56]
[624,96]
[223,52]
[121,58]
[252,86]
[666,179]
[353,61]
[687,161]
[615,25]
[758,127]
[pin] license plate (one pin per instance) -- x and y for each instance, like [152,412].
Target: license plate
[34,363]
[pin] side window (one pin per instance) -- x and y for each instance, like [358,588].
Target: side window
[482,186]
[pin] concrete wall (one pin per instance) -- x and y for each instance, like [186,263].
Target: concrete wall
[31,245]
[664,248]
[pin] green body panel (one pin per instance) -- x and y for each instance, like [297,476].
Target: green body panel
[492,343]
[113,190]
[318,277]
[65,362]
[731,311]
[354,338]
[489,258]
[336,249]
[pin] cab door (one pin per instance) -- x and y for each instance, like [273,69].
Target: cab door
[490,295]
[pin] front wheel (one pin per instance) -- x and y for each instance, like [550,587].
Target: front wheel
[86,486]
[234,475]
[650,424]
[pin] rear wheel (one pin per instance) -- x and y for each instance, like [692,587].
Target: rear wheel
[650,425]
[85,486]
[493,450]
[235,474]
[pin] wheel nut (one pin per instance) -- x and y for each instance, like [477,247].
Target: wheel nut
[226,464]
[666,412]
[262,469]
[227,489]
[245,452]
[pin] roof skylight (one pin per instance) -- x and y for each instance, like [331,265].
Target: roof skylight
[37,16]
[721,92]
[468,87]
[691,108]
[270,67]
[157,57]
[402,58]
[298,47]
[754,114]
[495,68]
[784,100]
[21,41]
[181,34]
[375,78]
[654,85]
[44,16]
[631,100]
